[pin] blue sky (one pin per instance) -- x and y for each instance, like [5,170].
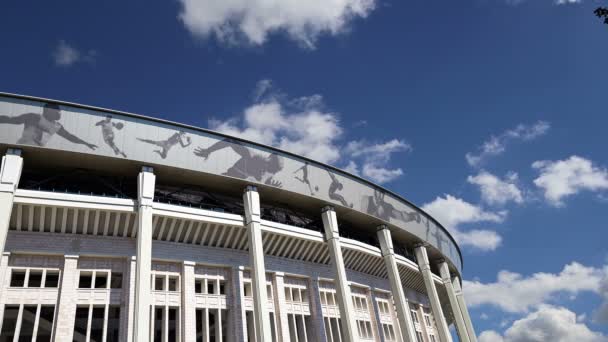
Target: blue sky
[398,91]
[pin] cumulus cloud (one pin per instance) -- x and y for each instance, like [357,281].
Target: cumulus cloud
[303,126]
[562,178]
[374,158]
[547,323]
[453,212]
[65,55]
[601,314]
[496,191]
[533,290]
[565,2]
[498,144]
[252,21]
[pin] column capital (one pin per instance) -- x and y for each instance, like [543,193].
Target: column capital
[146,181]
[381,227]
[6,254]
[10,171]
[71,256]
[327,208]
[385,239]
[13,151]
[249,188]
[189,263]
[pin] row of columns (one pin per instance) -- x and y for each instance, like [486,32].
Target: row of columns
[10,173]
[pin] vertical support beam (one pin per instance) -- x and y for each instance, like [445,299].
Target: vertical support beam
[128,285]
[10,173]
[145,194]
[188,302]
[251,202]
[345,301]
[316,310]
[238,321]
[4,283]
[463,309]
[280,307]
[66,311]
[406,326]
[461,329]
[431,290]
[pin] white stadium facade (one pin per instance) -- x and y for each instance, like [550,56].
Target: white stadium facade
[121,227]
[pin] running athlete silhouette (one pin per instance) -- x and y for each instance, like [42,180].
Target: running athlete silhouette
[335,186]
[304,178]
[249,166]
[107,130]
[39,128]
[166,145]
[376,206]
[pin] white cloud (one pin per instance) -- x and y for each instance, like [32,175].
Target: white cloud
[252,21]
[562,178]
[547,323]
[497,191]
[309,132]
[601,314]
[453,212]
[376,156]
[66,55]
[564,2]
[498,144]
[303,126]
[533,290]
[490,336]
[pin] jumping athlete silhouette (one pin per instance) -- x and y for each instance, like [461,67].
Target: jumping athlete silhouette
[304,178]
[249,166]
[336,186]
[39,128]
[376,206]
[166,145]
[107,130]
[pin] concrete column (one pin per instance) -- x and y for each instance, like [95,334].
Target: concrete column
[345,300]
[143,296]
[406,326]
[126,323]
[316,310]
[188,302]
[461,329]
[238,322]
[66,311]
[278,279]
[429,283]
[4,283]
[463,309]
[251,202]
[10,173]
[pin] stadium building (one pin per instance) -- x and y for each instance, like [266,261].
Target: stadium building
[121,227]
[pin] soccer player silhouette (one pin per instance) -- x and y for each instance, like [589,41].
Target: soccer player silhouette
[304,178]
[336,186]
[166,145]
[107,130]
[376,206]
[39,128]
[249,166]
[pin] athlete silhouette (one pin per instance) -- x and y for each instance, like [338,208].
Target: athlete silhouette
[249,166]
[376,206]
[166,145]
[107,130]
[336,186]
[39,128]
[304,178]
